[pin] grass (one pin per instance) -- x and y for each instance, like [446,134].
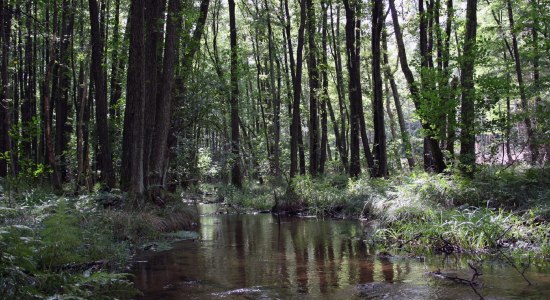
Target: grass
[74,247]
[499,209]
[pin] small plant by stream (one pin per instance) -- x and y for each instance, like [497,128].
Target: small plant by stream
[75,248]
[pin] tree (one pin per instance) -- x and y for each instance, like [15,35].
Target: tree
[133,139]
[353,24]
[236,176]
[296,127]
[379,149]
[467,110]
[314,146]
[105,161]
[415,94]
[531,139]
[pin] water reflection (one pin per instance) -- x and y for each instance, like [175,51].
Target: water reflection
[260,256]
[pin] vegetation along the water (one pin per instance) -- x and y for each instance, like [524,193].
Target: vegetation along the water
[426,121]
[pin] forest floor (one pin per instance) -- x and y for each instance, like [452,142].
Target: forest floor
[78,246]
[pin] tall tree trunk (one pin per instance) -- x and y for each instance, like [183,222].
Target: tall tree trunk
[275,98]
[105,161]
[393,130]
[343,149]
[62,102]
[325,98]
[154,24]
[236,176]
[449,88]
[313,73]
[379,149]
[467,110]
[5,34]
[405,137]
[436,150]
[531,139]
[29,103]
[133,140]
[295,133]
[356,106]
[164,102]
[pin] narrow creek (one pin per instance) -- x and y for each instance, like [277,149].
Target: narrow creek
[263,257]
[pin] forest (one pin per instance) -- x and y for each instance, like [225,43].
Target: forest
[133,130]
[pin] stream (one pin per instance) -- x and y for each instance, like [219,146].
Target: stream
[260,256]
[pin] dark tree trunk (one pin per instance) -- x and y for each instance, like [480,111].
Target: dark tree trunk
[164,102]
[275,98]
[356,106]
[5,33]
[62,103]
[436,150]
[133,140]
[154,25]
[236,176]
[379,149]
[340,88]
[105,161]
[295,133]
[28,106]
[467,110]
[313,72]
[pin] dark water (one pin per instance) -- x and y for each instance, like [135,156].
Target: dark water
[257,257]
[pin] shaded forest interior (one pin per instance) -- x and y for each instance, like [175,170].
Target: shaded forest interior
[145,95]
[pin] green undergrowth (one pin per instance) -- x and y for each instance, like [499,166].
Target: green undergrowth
[499,211]
[76,248]
[479,231]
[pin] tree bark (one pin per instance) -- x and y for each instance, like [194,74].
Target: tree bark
[164,102]
[313,72]
[467,110]
[354,86]
[436,150]
[379,149]
[405,136]
[295,133]
[236,176]
[133,140]
[531,139]
[105,161]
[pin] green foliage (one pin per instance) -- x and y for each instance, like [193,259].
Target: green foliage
[61,237]
[17,262]
[471,230]
[69,253]
[251,195]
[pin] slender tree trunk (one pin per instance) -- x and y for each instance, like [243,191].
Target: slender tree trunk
[275,98]
[295,133]
[105,161]
[393,130]
[531,139]
[356,106]
[5,32]
[62,102]
[436,150]
[467,135]
[405,136]
[164,102]
[154,24]
[236,176]
[343,149]
[313,71]
[379,149]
